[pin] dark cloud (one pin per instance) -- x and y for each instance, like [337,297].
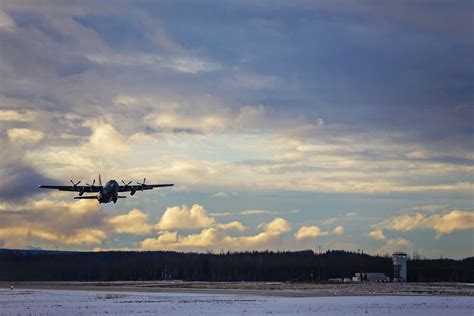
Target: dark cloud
[19,181]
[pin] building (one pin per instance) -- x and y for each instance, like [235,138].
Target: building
[357,278]
[370,277]
[399,267]
[376,277]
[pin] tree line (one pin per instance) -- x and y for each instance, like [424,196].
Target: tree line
[292,266]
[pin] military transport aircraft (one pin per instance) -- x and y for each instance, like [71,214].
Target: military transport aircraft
[107,193]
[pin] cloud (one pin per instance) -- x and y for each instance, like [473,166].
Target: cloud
[339,230]
[182,64]
[351,214]
[25,135]
[79,223]
[221,195]
[125,100]
[278,225]
[175,121]
[330,221]
[220,214]
[377,235]
[253,81]
[16,116]
[192,65]
[250,117]
[306,233]
[216,239]
[443,224]
[134,222]
[183,217]
[432,208]
[309,232]
[105,137]
[6,22]
[232,225]
[256,212]
[212,111]
[395,245]
[19,181]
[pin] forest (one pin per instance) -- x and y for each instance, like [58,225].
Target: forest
[294,266]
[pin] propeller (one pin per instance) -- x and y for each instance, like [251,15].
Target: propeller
[126,184]
[132,191]
[142,184]
[91,185]
[75,184]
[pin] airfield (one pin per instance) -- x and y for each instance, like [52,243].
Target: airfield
[236,298]
[284,289]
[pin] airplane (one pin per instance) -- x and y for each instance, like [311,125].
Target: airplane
[107,193]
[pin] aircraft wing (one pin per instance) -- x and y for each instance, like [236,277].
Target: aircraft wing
[75,188]
[141,187]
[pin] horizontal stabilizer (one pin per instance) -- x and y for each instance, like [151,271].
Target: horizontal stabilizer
[85,197]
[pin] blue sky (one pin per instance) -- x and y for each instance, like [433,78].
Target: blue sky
[345,125]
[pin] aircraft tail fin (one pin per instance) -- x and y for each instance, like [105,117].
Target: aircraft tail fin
[100,180]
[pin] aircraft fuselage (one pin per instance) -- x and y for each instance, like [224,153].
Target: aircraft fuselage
[109,192]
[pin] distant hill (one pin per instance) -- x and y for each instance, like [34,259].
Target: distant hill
[295,266]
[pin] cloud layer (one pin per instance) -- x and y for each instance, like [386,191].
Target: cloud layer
[276,106]
[443,224]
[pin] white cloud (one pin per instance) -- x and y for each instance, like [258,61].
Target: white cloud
[216,239]
[15,116]
[192,65]
[183,217]
[432,208]
[339,230]
[221,195]
[220,214]
[278,225]
[134,222]
[25,135]
[105,138]
[256,212]
[232,225]
[330,221]
[308,232]
[443,224]
[377,235]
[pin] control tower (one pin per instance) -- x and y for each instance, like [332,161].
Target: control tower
[399,267]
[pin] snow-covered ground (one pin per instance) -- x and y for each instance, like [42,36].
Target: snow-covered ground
[63,302]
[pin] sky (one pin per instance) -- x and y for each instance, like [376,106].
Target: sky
[284,125]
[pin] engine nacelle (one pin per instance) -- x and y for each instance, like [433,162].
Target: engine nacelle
[132,192]
[81,192]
